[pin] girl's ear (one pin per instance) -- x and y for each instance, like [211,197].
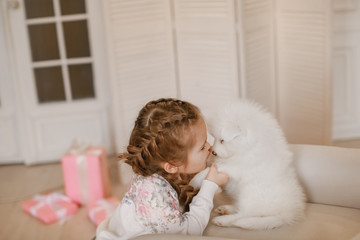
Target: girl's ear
[169,168]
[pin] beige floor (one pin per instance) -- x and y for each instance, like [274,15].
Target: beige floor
[19,182]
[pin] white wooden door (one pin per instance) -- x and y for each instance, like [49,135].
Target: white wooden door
[59,75]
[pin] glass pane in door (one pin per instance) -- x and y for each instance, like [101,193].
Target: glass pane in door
[76,39]
[72,7]
[65,37]
[38,8]
[43,42]
[49,84]
[81,80]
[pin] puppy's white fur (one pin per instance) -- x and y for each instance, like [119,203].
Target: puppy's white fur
[252,149]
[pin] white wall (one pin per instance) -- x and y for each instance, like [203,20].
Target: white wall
[10,147]
[346,62]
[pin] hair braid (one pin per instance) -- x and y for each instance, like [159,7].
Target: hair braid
[158,136]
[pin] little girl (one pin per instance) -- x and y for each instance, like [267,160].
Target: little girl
[167,144]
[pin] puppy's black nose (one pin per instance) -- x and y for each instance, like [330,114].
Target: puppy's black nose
[214,153]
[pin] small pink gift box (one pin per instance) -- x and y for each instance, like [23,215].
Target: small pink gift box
[50,208]
[101,209]
[86,174]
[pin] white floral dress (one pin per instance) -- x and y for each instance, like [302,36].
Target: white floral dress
[151,206]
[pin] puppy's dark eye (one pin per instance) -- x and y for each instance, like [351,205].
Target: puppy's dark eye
[221,141]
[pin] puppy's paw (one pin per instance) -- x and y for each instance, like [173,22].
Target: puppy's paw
[225,209]
[217,221]
[222,221]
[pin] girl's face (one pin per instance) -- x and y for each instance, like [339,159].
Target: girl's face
[199,153]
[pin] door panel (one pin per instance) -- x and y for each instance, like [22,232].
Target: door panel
[141,52]
[304,79]
[84,127]
[257,36]
[207,52]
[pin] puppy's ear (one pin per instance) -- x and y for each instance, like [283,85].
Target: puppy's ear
[230,132]
[210,124]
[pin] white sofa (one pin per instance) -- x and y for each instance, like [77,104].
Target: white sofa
[330,177]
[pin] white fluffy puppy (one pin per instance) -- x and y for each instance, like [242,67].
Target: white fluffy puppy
[250,146]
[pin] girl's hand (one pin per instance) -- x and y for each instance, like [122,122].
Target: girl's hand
[219,178]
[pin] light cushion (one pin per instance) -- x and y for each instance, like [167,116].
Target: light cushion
[329,175]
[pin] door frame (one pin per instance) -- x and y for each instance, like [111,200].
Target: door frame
[10,110]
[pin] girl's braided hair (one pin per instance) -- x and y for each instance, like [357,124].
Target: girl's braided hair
[159,136]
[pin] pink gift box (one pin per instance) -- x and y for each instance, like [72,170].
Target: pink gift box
[101,209]
[86,174]
[50,208]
